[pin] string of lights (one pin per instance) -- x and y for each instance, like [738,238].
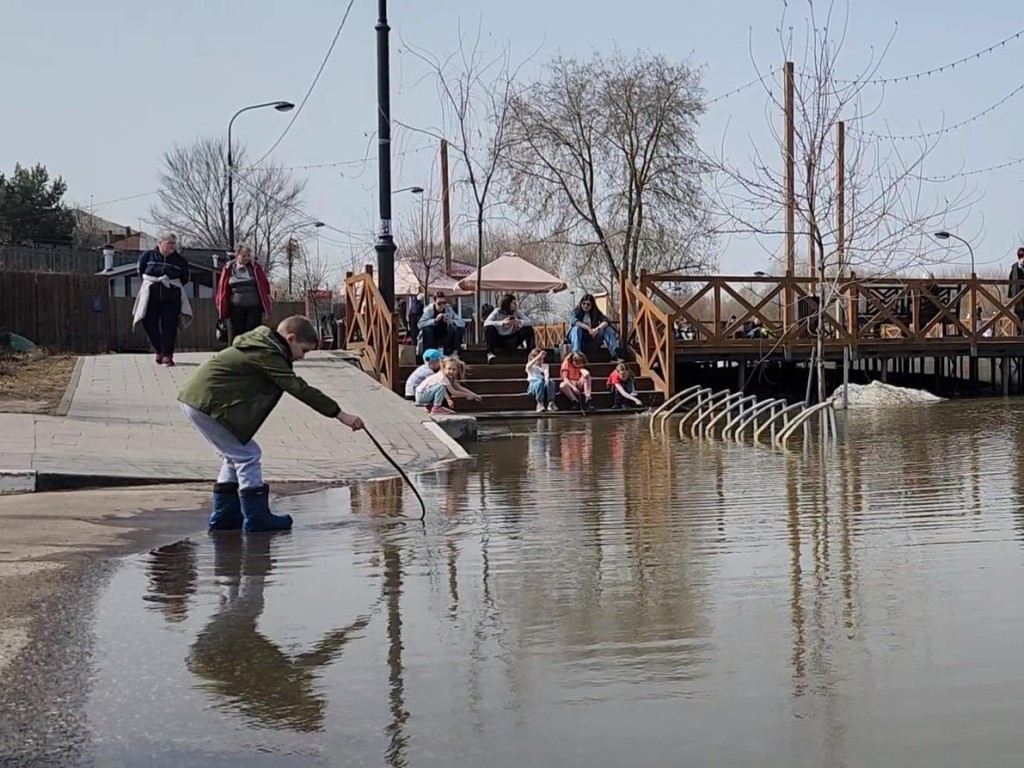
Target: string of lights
[949,128]
[740,89]
[975,172]
[938,70]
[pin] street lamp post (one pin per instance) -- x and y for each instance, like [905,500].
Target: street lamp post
[280,106]
[385,245]
[945,235]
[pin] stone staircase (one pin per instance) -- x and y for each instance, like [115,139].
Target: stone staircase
[502,384]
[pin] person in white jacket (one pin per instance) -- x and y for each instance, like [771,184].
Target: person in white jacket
[506,327]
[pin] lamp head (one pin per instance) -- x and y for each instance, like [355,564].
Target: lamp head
[943,235]
[284,106]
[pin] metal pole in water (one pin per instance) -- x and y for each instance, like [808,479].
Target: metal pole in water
[846,377]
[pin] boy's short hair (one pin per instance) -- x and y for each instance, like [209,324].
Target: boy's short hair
[301,327]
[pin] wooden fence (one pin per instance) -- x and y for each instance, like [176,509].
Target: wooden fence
[73,313]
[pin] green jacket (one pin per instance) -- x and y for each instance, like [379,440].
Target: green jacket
[239,386]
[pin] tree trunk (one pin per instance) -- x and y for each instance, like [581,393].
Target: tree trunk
[478,330]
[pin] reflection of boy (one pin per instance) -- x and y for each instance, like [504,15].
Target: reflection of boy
[227,400]
[431,364]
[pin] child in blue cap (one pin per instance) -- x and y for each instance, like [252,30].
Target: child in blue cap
[431,364]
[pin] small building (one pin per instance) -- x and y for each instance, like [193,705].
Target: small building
[205,265]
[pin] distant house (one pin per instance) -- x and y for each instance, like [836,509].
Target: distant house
[205,265]
[94,231]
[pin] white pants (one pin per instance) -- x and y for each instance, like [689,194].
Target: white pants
[241,462]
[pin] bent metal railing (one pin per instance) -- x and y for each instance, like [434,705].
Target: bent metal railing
[371,330]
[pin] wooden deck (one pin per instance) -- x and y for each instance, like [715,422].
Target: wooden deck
[708,318]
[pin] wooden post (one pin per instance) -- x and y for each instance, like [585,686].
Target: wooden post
[623,308]
[789,159]
[812,255]
[446,209]
[841,196]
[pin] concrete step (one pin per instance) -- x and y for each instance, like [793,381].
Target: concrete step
[522,402]
[518,385]
[505,371]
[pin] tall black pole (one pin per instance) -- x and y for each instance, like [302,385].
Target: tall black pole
[231,194]
[385,246]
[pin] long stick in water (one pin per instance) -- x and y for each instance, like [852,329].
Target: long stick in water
[415,490]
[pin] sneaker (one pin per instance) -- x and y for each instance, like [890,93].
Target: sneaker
[552,407]
[440,410]
[618,358]
[589,405]
[490,358]
[159,359]
[168,361]
[540,408]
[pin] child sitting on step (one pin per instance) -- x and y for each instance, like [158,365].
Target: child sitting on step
[621,383]
[439,388]
[539,385]
[227,400]
[576,381]
[431,364]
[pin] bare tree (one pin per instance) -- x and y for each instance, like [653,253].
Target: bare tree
[604,153]
[422,251]
[475,86]
[879,220]
[193,199]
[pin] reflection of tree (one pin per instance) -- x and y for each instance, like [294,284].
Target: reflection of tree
[244,668]
[172,579]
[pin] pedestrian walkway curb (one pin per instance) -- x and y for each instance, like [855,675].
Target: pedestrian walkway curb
[17,481]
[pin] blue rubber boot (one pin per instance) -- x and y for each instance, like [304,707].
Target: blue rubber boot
[227,509]
[257,514]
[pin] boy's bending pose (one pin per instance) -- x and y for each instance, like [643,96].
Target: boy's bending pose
[230,396]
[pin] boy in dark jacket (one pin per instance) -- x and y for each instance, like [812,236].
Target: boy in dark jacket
[230,396]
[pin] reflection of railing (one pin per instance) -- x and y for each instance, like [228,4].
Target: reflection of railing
[648,330]
[733,313]
[370,329]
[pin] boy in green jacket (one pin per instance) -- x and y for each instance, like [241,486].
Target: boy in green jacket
[230,396]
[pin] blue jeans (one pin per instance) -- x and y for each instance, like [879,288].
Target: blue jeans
[540,392]
[431,395]
[241,462]
[578,339]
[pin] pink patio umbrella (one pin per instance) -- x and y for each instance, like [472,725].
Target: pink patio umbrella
[511,274]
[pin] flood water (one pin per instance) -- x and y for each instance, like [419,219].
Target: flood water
[587,596]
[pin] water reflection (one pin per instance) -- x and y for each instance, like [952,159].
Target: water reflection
[246,670]
[586,596]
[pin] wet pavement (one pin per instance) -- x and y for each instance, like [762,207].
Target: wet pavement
[582,596]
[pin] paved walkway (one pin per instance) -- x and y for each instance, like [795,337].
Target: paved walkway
[124,422]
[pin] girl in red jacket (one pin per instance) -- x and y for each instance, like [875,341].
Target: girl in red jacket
[243,293]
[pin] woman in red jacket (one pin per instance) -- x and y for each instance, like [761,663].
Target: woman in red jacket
[243,293]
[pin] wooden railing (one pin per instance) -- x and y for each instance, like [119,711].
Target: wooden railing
[730,311]
[662,314]
[371,329]
[650,336]
[551,335]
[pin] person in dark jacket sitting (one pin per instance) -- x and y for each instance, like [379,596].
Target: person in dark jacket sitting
[167,273]
[441,327]
[590,327]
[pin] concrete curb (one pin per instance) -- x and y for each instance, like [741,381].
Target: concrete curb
[438,431]
[69,393]
[17,481]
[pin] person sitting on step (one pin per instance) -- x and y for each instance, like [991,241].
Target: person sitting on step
[539,385]
[228,398]
[623,387]
[431,364]
[590,327]
[507,327]
[441,327]
[576,380]
[438,390]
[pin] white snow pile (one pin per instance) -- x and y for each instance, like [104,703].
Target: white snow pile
[878,394]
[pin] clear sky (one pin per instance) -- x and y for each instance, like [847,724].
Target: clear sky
[97,90]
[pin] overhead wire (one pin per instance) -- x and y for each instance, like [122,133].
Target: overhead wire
[309,91]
